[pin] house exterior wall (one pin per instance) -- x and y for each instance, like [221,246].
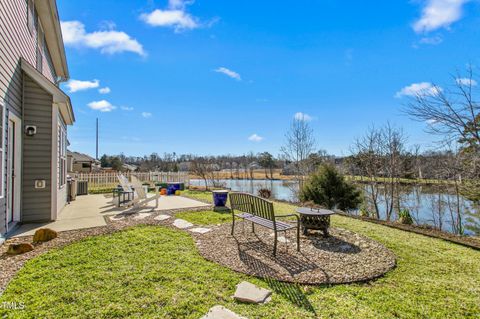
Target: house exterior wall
[18,40]
[37,154]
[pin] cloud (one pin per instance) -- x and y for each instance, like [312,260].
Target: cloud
[102,106]
[415,89]
[435,40]
[77,85]
[174,16]
[126,108]
[107,41]
[146,115]
[299,116]
[229,73]
[104,90]
[438,14]
[431,121]
[255,138]
[466,82]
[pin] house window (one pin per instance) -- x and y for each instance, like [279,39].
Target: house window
[40,48]
[31,16]
[62,155]
[2,147]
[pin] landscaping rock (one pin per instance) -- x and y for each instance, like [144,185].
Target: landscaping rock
[18,249]
[182,224]
[162,217]
[44,234]
[250,293]
[142,216]
[220,312]
[200,230]
[281,239]
[117,217]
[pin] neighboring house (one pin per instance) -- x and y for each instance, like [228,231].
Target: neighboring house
[81,163]
[34,113]
[130,167]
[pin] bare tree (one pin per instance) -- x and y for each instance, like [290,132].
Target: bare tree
[202,168]
[299,144]
[453,112]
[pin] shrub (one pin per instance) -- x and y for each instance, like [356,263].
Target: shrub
[328,188]
[404,217]
[265,193]
[363,212]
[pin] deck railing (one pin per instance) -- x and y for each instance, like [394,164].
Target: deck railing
[109,179]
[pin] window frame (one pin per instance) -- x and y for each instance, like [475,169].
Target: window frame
[3,108]
[62,154]
[31,13]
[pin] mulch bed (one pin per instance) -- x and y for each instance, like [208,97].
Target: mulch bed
[344,257]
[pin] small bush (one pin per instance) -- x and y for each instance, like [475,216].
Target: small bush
[363,212]
[265,193]
[327,187]
[404,217]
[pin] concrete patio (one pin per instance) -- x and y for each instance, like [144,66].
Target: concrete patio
[89,211]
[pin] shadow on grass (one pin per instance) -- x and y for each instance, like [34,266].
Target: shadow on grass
[291,292]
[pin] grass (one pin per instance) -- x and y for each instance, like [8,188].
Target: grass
[207,217]
[157,272]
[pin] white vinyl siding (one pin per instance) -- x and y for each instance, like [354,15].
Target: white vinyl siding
[2,148]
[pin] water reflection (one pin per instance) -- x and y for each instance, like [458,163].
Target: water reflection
[428,205]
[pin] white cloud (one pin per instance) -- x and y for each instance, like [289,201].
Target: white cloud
[126,108]
[77,85]
[438,14]
[466,82]
[229,73]
[435,40]
[102,106]
[431,121]
[422,88]
[178,19]
[174,16]
[107,41]
[299,116]
[255,138]
[146,115]
[104,90]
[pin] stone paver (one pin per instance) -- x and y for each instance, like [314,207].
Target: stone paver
[250,293]
[162,217]
[220,312]
[142,216]
[117,217]
[200,230]
[182,224]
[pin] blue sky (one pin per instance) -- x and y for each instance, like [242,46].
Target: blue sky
[215,77]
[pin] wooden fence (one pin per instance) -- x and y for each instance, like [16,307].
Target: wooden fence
[109,179]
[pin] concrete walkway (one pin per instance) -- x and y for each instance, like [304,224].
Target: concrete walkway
[89,211]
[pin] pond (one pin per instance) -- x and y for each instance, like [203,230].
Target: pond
[428,205]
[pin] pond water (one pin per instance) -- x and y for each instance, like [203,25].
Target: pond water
[427,205]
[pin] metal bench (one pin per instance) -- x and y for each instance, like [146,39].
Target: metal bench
[260,211]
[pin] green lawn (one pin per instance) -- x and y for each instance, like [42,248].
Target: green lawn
[156,272]
[206,217]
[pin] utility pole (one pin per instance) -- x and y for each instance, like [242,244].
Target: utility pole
[96,153]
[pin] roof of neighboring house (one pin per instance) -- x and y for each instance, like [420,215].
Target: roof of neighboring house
[48,14]
[59,97]
[80,157]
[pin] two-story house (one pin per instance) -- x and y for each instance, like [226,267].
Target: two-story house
[34,113]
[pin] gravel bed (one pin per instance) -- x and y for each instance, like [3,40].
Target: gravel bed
[344,257]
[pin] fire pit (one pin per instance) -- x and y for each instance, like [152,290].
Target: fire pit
[316,219]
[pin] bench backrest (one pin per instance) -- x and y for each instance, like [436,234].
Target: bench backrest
[252,204]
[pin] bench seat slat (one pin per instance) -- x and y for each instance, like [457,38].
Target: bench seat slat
[281,226]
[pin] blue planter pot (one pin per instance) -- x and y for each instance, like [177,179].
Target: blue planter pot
[220,198]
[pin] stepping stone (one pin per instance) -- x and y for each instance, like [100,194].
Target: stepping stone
[281,239]
[142,216]
[200,230]
[117,217]
[250,293]
[220,312]
[162,217]
[145,210]
[182,224]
